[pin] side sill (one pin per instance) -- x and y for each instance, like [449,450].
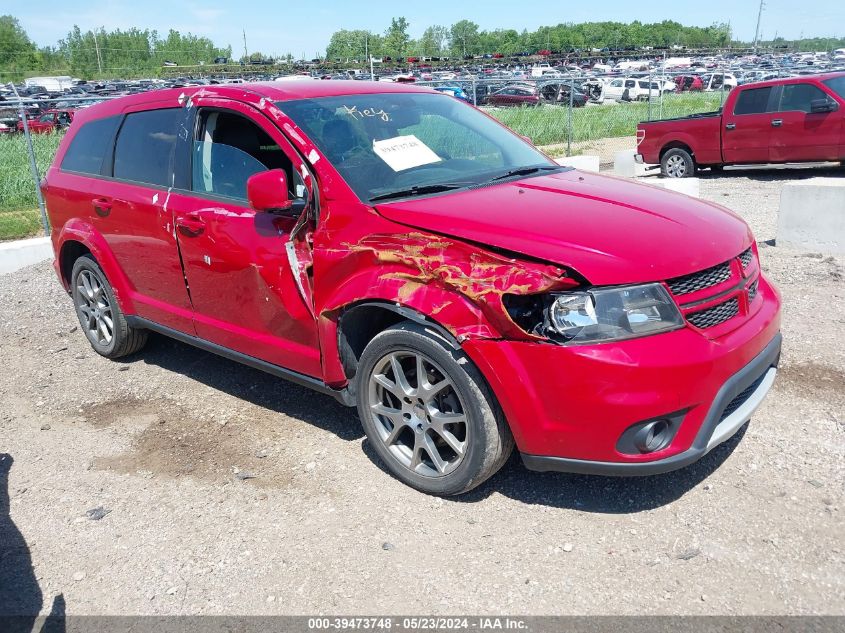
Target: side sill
[341,395]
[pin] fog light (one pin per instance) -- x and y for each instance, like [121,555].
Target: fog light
[649,436]
[653,436]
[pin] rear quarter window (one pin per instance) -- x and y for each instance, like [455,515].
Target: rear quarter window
[753,101]
[89,146]
[145,145]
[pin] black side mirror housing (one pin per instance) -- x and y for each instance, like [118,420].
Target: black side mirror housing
[823,105]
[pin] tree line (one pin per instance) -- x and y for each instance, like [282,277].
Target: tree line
[101,54]
[135,52]
[466,38]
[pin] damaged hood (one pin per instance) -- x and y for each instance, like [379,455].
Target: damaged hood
[612,231]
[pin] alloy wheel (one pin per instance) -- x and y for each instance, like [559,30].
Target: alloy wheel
[418,413]
[676,167]
[94,308]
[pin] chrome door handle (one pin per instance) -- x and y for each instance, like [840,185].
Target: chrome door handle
[730,126]
[777,122]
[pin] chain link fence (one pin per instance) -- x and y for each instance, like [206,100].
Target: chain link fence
[582,114]
[565,115]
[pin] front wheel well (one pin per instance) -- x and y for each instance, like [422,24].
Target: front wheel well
[71,251]
[360,323]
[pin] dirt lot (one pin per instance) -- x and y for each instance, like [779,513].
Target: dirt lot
[227,491]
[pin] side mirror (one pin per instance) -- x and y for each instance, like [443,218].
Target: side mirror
[823,105]
[268,191]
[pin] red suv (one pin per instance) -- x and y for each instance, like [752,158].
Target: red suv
[404,252]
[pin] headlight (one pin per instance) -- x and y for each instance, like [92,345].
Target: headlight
[603,314]
[597,314]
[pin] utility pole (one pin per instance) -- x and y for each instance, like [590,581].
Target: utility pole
[246,54]
[97,48]
[369,56]
[757,30]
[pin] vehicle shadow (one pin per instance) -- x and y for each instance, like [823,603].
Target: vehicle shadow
[603,495]
[587,493]
[252,385]
[20,596]
[591,493]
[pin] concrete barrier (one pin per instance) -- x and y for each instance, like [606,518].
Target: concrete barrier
[625,165]
[812,215]
[584,163]
[688,186]
[15,255]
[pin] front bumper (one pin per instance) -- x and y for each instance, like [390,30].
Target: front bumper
[756,379]
[568,406]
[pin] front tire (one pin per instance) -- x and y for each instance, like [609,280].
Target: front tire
[100,316]
[428,412]
[677,163]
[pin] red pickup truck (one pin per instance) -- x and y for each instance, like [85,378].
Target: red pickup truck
[799,119]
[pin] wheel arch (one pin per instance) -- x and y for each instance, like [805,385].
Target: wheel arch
[677,144]
[77,238]
[360,322]
[71,251]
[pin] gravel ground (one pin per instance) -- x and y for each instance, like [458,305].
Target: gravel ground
[177,482]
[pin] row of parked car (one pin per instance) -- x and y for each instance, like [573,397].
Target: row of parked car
[52,101]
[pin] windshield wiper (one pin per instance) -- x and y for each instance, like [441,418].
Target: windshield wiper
[525,171]
[419,190]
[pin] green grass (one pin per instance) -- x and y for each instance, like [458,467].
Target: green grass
[548,124]
[19,215]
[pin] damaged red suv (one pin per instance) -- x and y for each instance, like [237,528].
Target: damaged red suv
[404,252]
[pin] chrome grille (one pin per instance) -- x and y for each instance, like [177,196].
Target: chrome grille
[745,257]
[715,315]
[700,280]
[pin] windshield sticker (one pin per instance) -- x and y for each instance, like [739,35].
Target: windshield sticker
[369,113]
[404,152]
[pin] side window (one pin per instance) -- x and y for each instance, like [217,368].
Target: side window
[799,96]
[753,101]
[616,83]
[630,83]
[145,145]
[231,148]
[89,146]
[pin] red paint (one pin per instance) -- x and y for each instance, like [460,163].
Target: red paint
[775,136]
[450,257]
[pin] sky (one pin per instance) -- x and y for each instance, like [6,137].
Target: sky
[278,28]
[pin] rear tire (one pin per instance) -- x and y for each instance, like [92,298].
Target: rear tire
[677,163]
[100,316]
[443,435]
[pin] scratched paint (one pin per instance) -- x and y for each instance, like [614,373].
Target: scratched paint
[413,264]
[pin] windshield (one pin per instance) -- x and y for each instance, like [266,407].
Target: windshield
[837,84]
[383,144]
